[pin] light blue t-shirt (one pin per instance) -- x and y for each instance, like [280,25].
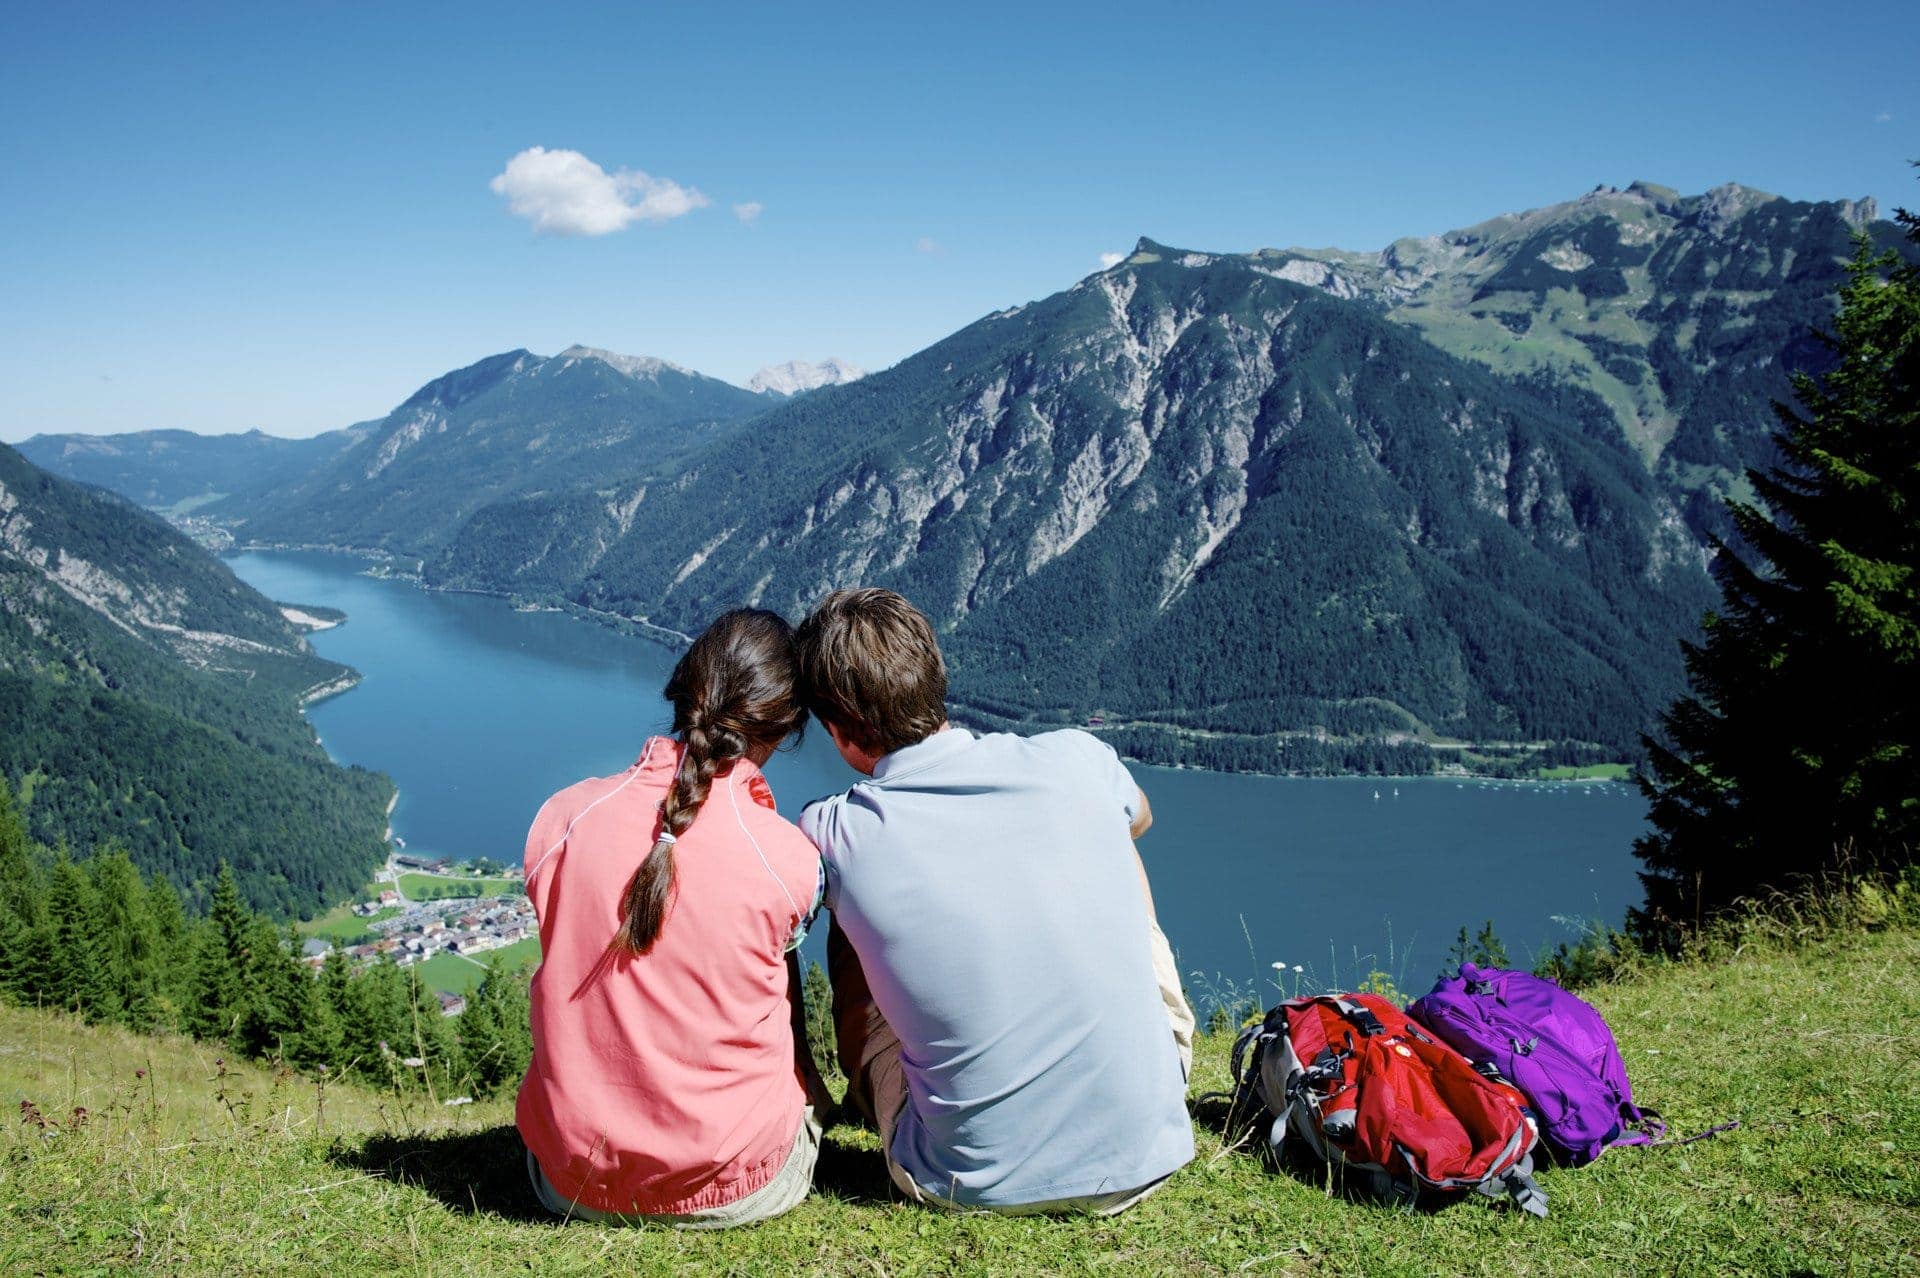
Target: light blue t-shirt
[989,886]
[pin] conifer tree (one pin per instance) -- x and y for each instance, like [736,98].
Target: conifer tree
[1797,752]
[317,1041]
[82,980]
[175,951]
[129,935]
[495,1039]
[216,990]
[274,997]
[26,958]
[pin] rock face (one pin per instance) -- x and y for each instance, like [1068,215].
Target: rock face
[1459,486]
[1684,315]
[1187,490]
[797,375]
[63,545]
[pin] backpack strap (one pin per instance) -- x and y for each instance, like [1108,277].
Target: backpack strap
[1369,1024]
[1639,1126]
[1517,1186]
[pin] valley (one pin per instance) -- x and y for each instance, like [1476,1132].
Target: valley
[1442,507]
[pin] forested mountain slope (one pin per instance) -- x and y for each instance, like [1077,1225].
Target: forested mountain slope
[508,424]
[1183,491]
[151,698]
[165,468]
[1303,498]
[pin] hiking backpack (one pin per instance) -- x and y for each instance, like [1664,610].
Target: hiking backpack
[1554,1046]
[1362,1086]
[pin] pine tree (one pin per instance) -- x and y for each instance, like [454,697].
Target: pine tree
[1797,752]
[274,999]
[317,1040]
[216,987]
[495,1038]
[83,981]
[174,967]
[130,936]
[26,950]
[1483,950]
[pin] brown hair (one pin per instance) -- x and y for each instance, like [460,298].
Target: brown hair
[870,666]
[733,690]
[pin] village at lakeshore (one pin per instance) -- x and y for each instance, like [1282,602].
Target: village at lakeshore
[479,712]
[454,922]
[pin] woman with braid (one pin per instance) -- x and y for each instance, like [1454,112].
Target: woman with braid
[671,1079]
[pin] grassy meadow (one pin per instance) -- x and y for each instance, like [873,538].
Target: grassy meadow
[129,1154]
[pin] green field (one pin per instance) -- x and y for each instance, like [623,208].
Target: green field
[343,927]
[451,973]
[431,887]
[1589,772]
[189,1166]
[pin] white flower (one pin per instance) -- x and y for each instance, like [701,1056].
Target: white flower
[1279,967]
[1298,969]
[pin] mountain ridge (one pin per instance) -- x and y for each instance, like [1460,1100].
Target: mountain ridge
[153,700]
[1508,548]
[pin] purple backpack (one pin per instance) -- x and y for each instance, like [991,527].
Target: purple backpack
[1551,1045]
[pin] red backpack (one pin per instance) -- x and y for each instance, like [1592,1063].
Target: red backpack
[1366,1088]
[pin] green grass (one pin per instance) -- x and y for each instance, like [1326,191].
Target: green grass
[1589,772]
[189,1172]
[343,927]
[428,887]
[453,974]
[187,505]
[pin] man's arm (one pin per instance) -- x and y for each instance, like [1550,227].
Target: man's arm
[1180,1016]
[1142,821]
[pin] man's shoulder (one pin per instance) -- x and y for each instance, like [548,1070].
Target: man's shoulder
[1061,747]
[823,819]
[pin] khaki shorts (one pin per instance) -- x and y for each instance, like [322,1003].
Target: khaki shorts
[783,1193]
[870,1056]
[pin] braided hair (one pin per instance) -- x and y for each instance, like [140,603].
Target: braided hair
[732,692]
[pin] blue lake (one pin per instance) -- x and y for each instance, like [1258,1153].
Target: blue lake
[479,712]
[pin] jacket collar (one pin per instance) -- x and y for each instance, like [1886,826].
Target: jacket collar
[660,760]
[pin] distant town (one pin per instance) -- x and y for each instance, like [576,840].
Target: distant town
[420,908]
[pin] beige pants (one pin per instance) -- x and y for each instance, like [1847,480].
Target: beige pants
[870,1056]
[783,1193]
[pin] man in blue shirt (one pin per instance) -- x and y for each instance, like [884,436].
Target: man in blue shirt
[1007,1008]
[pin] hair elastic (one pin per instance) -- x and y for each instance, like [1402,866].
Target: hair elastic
[665,836]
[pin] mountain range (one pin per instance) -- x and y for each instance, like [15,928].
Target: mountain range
[152,699]
[1288,509]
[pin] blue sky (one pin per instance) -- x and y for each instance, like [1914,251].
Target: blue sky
[220,217]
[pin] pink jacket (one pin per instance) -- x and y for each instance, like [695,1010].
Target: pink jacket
[666,1083]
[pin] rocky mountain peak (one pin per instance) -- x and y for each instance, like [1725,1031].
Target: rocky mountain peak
[631,365]
[798,375]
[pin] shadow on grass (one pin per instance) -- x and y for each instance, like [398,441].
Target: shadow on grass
[472,1172]
[485,1172]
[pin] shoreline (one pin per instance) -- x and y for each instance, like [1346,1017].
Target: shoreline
[966,715]
[331,688]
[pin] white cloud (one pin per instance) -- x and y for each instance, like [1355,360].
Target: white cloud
[930,246]
[1110,260]
[750,212]
[1883,118]
[564,193]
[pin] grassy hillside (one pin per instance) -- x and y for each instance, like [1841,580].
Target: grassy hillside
[194,1168]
